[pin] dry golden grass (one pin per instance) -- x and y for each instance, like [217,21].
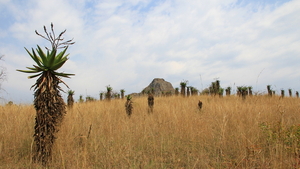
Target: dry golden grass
[260,132]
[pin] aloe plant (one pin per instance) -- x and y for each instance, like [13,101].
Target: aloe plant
[81,99]
[128,105]
[109,94]
[269,90]
[48,102]
[183,85]
[228,91]
[150,103]
[122,93]
[176,91]
[101,96]
[188,91]
[282,93]
[70,100]
[250,90]
[290,93]
[221,91]
[242,91]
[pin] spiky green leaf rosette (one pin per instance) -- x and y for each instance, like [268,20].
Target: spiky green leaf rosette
[47,62]
[48,102]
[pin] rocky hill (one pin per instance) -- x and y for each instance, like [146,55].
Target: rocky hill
[159,86]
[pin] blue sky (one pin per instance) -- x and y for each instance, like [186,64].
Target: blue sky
[126,44]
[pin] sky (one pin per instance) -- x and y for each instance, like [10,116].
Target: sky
[126,44]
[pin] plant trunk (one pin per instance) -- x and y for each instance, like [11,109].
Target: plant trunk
[187,91]
[70,101]
[176,92]
[50,110]
[150,103]
[183,91]
[108,95]
[282,93]
[128,107]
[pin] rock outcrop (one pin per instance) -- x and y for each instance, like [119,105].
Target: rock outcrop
[159,86]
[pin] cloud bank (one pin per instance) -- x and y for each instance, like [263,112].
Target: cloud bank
[127,44]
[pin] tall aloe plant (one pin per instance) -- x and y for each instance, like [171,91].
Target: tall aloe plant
[48,102]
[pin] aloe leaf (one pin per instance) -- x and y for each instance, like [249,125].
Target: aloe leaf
[63,59]
[42,55]
[29,71]
[64,74]
[33,76]
[52,58]
[39,58]
[31,68]
[40,68]
[60,56]
[58,65]
[36,60]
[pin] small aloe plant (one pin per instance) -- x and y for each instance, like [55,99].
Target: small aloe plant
[70,100]
[122,93]
[108,94]
[128,105]
[150,103]
[183,85]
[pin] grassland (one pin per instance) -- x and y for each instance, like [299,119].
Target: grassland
[260,132]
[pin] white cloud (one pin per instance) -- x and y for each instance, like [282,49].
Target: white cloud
[127,44]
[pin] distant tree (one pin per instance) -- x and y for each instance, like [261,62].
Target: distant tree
[168,93]
[290,93]
[221,91]
[194,91]
[217,87]
[101,96]
[116,95]
[282,93]
[80,99]
[122,93]
[205,91]
[10,103]
[150,103]
[2,72]
[89,99]
[214,88]
[108,94]
[242,91]
[228,91]
[269,90]
[250,90]
[128,105]
[188,91]
[183,85]
[176,91]
[70,100]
